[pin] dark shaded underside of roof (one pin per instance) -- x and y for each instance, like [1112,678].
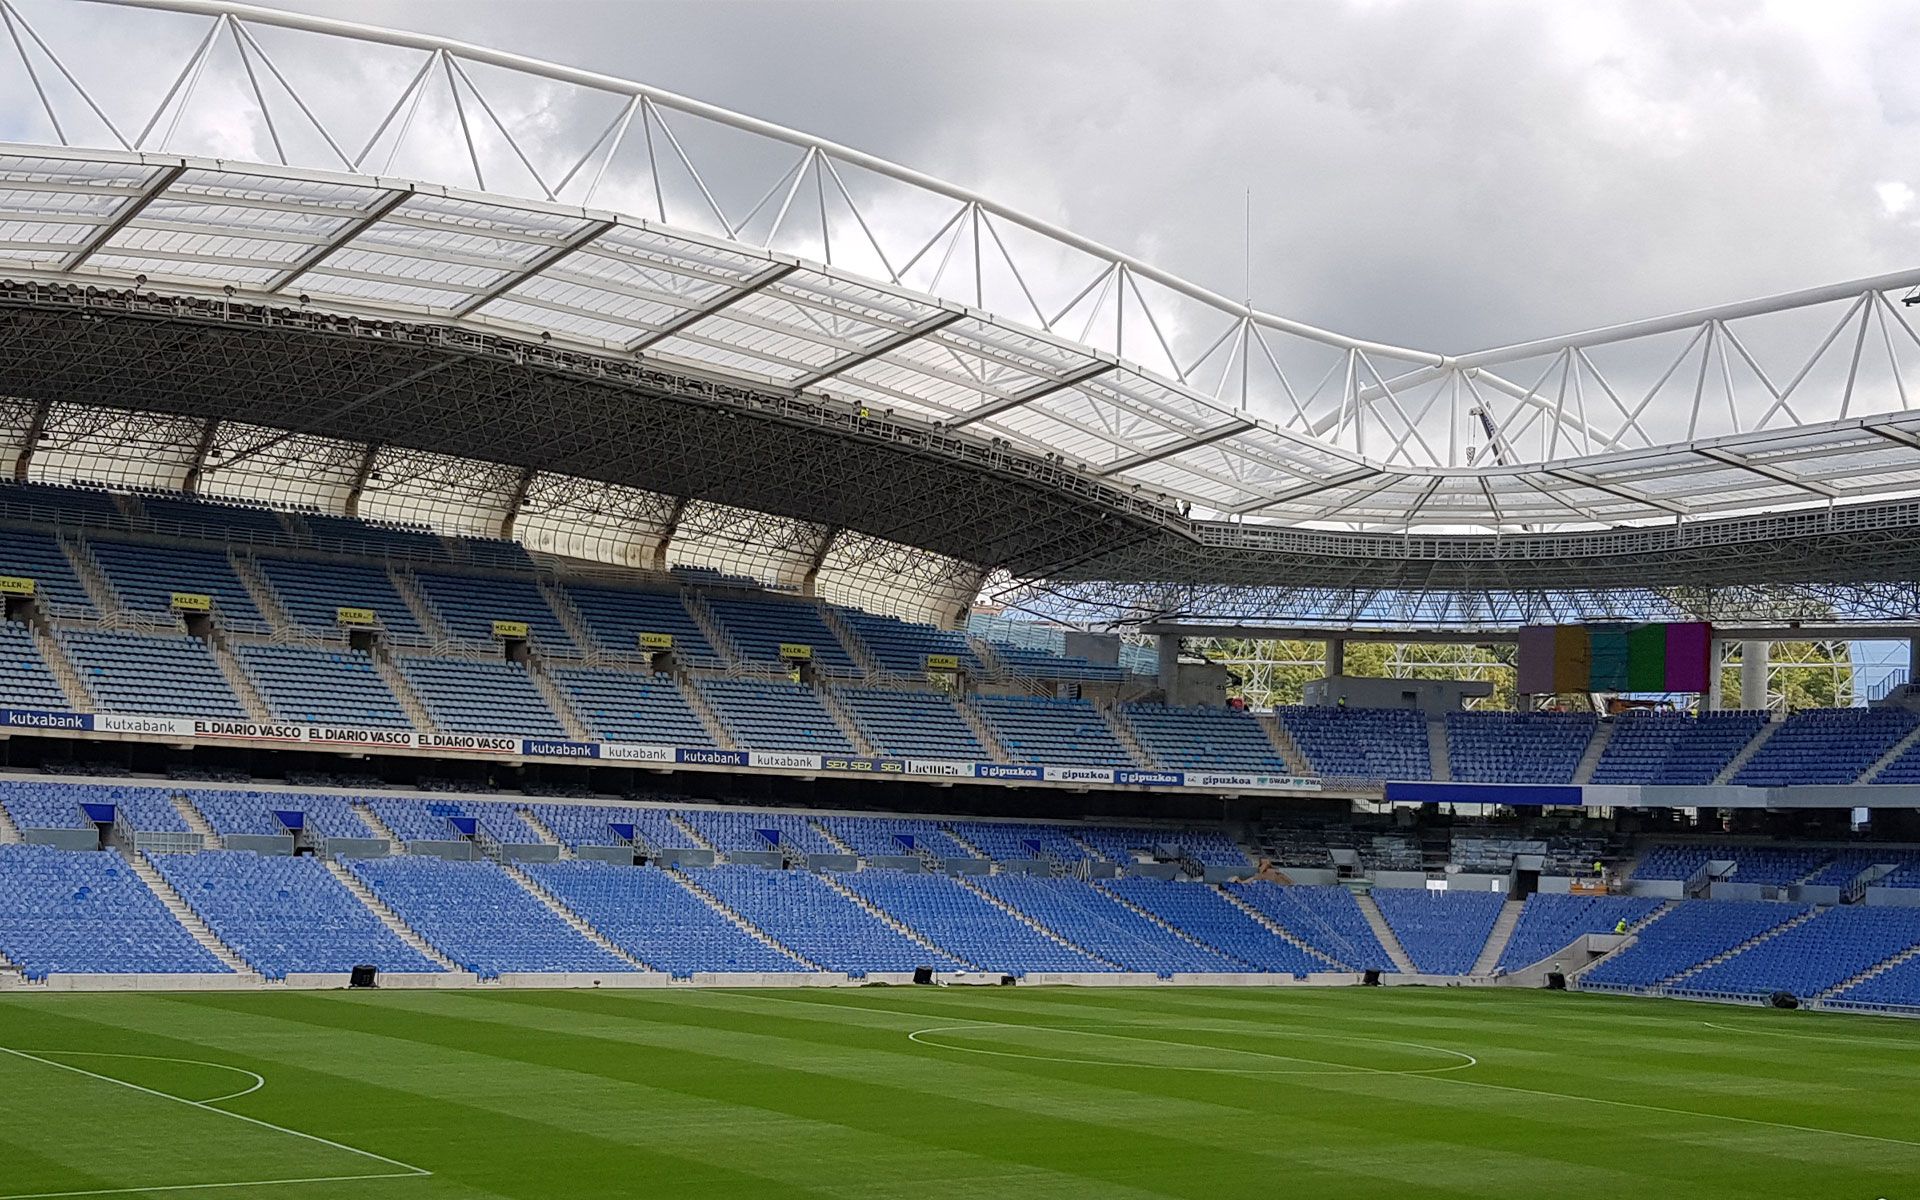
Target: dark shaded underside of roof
[449,390]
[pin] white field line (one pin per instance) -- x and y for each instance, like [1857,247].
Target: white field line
[206,1106]
[203,1187]
[258,1082]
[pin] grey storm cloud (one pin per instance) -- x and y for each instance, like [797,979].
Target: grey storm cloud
[1443,175]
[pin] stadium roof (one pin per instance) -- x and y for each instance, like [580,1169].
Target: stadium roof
[853,344]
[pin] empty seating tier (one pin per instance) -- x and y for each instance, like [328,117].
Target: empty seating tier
[1326,918]
[145,579]
[468,605]
[285,915]
[1517,747]
[774,715]
[617,617]
[86,912]
[1039,729]
[318,687]
[1367,744]
[1826,745]
[1208,916]
[476,915]
[653,917]
[314,592]
[912,724]
[25,679]
[467,695]
[758,628]
[141,673]
[1203,739]
[1674,748]
[804,914]
[903,647]
[1550,923]
[29,554]
[1442,932]
[624,707]
[1690,934]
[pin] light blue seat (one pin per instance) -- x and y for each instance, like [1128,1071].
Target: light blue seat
[320,687]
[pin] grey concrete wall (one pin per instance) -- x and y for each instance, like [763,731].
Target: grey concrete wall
[66,839]
[458,851]
[260,843]
[533,852]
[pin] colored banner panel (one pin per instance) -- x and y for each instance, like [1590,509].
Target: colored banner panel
[16,585]
[1572,658]
[192,602]
[1535,666]
[1647,658]
[1689,657]
[1609,672]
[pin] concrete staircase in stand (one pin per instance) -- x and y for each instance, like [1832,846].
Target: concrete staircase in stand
[697,701]
[409,699]
[197,822]
[983,732]
[849,640]
[1596,746]
[558,702]
[1123,733]
[545,832]
[573,919]
[1497,940]
[693,835]
[423,613]
[833,840]
[1439,755]
[238,680]
[888,919]
[380,828]
[388,917]
[1879,968]
[9,832]
[1282,739]
[730,913]
[1388,938]
[78,698]
[1748,751]
[183,912]
[1278,930]
[1028,921]
[1894,751]
[264,597]
[1742,948]
[843,718]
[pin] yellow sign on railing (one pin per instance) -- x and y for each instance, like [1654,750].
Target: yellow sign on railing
[192,602]
[510,629]
[795,650]
[16,585]
[355,616]
[656,641]
[943,662]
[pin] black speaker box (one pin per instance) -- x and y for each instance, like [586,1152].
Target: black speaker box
[1784,1000]
[1370,978]
[923,974]
[363,976]
[1556,981]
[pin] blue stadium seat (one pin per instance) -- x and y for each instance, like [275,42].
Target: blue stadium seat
[318,687]
[469,695]
[285,915]
[616,617]
[313,592]
[1695,931]
[86,912]
[1658,747]
[912,724]
[30,554]
[1363,744]
[965,926]
[1203,739]
[1053,732]
[1326,918]
[25,679]
[648,914]
[1550,922]
[1826,745]
[1207,915]
[758,627]
[468,605]
[798,910]
[1442,932]
[622,706]
[902,647]
[153,674]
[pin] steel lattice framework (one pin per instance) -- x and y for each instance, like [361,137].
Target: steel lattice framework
[607,286]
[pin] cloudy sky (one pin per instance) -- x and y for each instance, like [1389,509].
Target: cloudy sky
[1444,175]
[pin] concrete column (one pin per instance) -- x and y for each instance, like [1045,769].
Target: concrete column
[1913,660]
[1754,657]
[1716,654]
[1336,657]
[1166,648]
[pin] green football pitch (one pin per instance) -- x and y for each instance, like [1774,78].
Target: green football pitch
[884,1092]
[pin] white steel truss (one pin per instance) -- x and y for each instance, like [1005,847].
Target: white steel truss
[734,246]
